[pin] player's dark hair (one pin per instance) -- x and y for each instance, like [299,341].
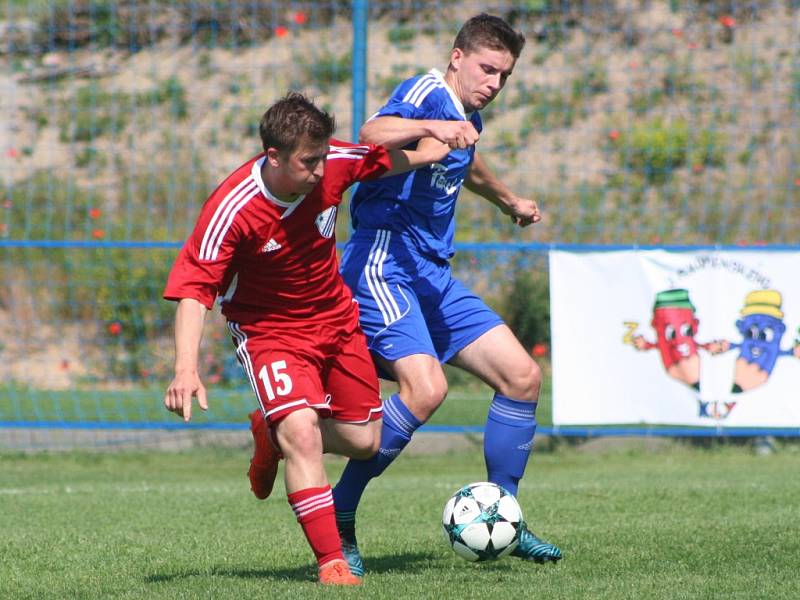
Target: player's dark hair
[292,118]
[488,31]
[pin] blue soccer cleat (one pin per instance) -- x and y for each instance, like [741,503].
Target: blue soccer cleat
[346,524]
[532,548]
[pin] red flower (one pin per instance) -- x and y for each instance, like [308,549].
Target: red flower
[677,32]
[95,213]
[115,328]
[300,18]
[98,234]
[281,31]
[727,21]
[613,135]
[539,350]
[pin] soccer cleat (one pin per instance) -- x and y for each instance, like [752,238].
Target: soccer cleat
[347,533]
[532,548]
[264,464]
[336,572]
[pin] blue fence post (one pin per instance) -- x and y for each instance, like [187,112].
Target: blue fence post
[360,17]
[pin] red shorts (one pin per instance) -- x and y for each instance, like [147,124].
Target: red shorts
[311,365]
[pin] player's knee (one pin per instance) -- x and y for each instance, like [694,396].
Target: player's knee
[367,447]
[299,435]
[424,395]
[523,382]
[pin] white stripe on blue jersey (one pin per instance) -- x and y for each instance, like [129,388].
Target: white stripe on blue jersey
[421,89]
[373,271]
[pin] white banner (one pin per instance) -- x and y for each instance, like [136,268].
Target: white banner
[683,338]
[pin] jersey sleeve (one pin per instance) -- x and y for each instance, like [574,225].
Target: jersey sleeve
[415,98]
[374,164]
[199,269]
[357,162]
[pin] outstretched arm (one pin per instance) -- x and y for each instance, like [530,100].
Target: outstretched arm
[429,151]
[189,318]
[396,132]
[483,182]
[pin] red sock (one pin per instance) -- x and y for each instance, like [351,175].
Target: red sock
[313,508]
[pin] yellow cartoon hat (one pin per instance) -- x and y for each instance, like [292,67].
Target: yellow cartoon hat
[763,302]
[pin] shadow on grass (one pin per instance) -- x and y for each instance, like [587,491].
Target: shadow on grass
[409,561]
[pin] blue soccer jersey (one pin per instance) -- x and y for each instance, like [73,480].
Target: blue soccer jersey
[419,205]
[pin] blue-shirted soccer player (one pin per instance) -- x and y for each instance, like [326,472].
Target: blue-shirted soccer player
[415,314]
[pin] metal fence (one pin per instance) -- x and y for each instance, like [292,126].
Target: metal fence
[646,124]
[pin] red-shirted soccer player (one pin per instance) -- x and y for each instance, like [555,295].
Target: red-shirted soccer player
[264,244]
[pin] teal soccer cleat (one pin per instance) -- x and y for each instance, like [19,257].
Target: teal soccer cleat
[532,548]
[346,524]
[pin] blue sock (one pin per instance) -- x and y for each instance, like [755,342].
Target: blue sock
[508,440]
[398,427]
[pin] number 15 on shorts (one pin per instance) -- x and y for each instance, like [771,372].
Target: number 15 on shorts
[275,375]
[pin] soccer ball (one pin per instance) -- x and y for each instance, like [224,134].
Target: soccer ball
[482,521]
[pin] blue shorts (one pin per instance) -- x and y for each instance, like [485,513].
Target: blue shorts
[408,303]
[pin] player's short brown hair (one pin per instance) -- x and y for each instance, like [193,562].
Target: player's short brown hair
[488,31]
[292,118]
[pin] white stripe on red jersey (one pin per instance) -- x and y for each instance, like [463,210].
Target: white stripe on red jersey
[269,260]
[223,217]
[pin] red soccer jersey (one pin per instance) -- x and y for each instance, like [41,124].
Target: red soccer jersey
[270,260]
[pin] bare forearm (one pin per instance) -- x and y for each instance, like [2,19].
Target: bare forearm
[483,182]
[189,319]
[428,152]
[393,132]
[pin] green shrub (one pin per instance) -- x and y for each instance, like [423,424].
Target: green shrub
[655,149]
[527,308]
[329,70]
[549,109]
[707,149]
[592,81]
[94,112]
[47,208]
[401,34]
[169,91]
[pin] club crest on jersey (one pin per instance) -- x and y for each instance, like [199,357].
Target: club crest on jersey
[326,222]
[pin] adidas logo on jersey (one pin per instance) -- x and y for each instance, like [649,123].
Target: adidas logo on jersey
[271,246]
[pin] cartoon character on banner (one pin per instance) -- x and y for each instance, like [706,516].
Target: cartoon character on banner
[676,326]
[761,326]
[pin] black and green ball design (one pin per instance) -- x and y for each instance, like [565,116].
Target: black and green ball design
[482,521]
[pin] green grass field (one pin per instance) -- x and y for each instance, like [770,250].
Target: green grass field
[671,521]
